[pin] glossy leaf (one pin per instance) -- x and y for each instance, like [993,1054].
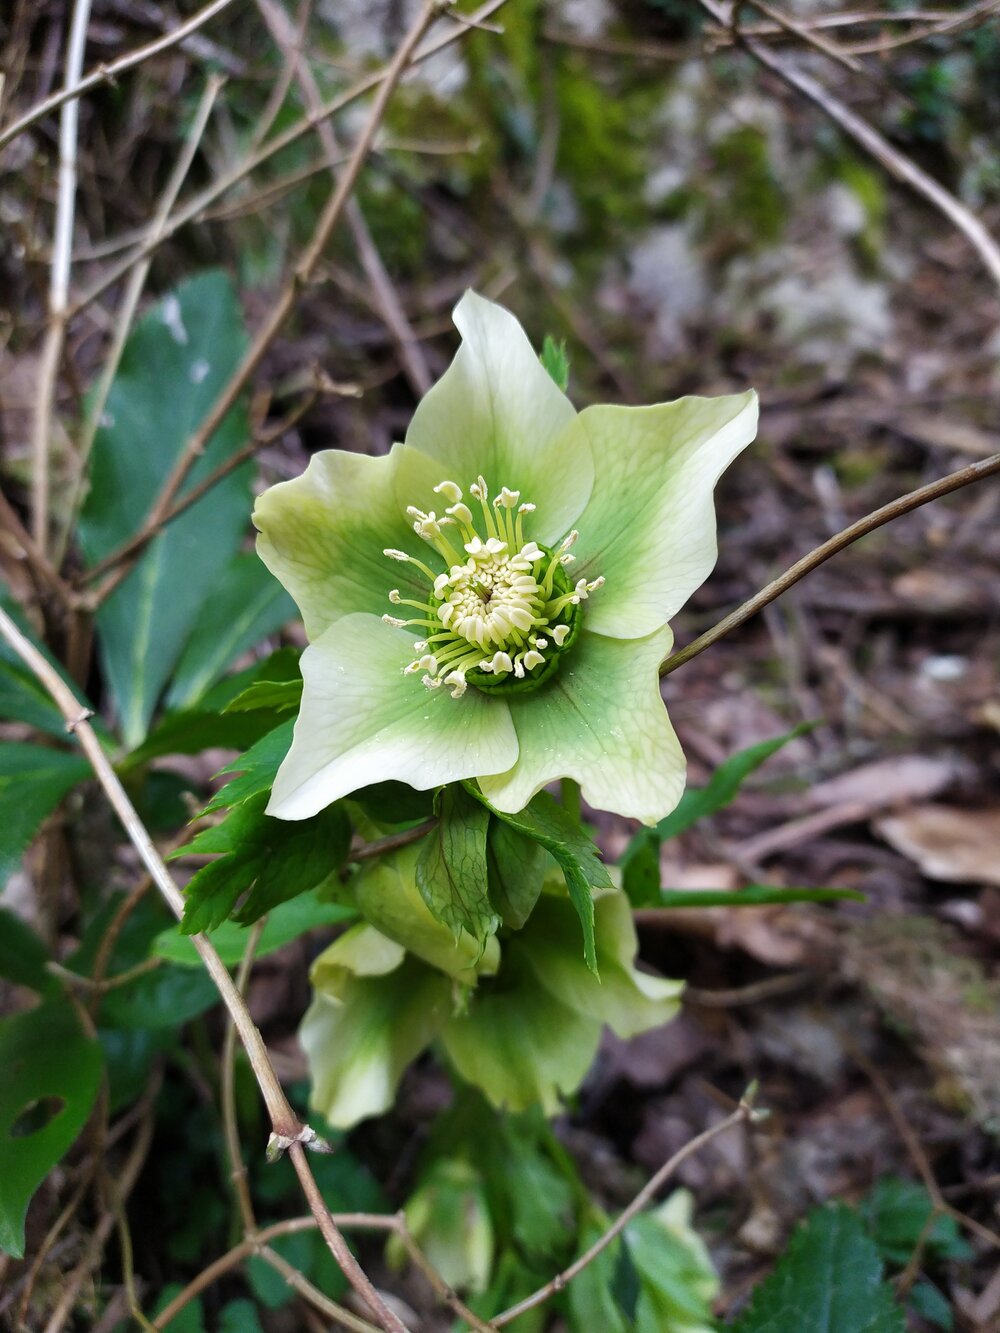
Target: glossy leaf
[174,365]
[516,871]
[451,869]
[255,769]
[51,1074]
[245,605]
[33,780]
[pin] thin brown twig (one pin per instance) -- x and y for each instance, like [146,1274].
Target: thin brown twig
[300,1283]
[45,575]
[875,144]
[62,251]
[287,1131]
[904,504]
[230,1126]
[809,35]
[117,565]
[391,843]
[108,73]
[743,1113]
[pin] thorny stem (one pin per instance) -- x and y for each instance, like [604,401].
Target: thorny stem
[119,562]
[744,1112]
[904,504]
[58,282]
[285,1124]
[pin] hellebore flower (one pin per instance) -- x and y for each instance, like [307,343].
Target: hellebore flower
[506,656]
[521,1023]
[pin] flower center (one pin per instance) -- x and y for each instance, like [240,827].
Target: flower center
[504,610]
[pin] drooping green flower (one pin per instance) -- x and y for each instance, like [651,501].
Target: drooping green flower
[521,1021]
[530,557]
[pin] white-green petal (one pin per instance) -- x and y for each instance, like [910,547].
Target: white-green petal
[358,1045]
[649,526]
[322,535]
[602,721]
[362,721]
[362,951]
[627,1000]
[496,411]
[518,1043]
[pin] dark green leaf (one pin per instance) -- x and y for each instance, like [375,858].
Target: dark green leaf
[192,732]
[286,922]
[555,360]
[896,1213]
[451,870]
[930,1304]
[247,604]
[279,696]
[640,867]
[23,955]
[754,895]
[268,860]
[163,998]
[592,1303]
[174,366]
[51,1074]
[22,697]
[33,780]
[256,769]
[723,785]
[829,1280]
[516,870]
[394,802]
[548,824]
[190,1319]
[239,1317]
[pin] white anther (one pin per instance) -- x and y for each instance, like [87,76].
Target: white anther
[432,682]
[413,512]
[440,584]
[519,617]
[446,613]
[411,669]
[567,559]
[559,634]
[495,546]
[428,662]
[501,662]
[475,547]
[457,679]
[582,589]
[462,512]
[449,490]
[519,669]
[530,551]
[596,583]
[507,498]
[479,489]
[395,596]
[527,509]
[567,542]
[540,644]
[395,555]
[532,659]
[428,527]
[420,645]
[394,621]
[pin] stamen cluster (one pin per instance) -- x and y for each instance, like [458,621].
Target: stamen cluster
[502,611]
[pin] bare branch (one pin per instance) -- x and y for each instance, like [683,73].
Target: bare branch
[986,467]
[76,87]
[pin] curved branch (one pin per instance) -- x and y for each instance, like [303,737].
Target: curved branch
[986,467]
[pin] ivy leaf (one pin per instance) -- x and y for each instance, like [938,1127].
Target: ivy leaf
[555,360]
[451,871]
[828,1280]
[256,769]
[269,860]
[516,867]
[51,1074]
[544,821]
[33,780]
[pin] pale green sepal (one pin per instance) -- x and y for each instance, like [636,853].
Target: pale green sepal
[627,1000]
[496,411]
[386,895]
[601,721]
[649,526]
[322,535]
[359,1045]
[361,951]
[448,1216]
[362,721]
[518,1043]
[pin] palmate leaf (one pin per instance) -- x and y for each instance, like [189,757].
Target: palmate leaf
[174,365]
[829,1280]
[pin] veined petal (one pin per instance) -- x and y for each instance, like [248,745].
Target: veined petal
[520,1044]
[600,720]
[627,1000]
[362,721]
[497,412]
[322,535]
[359,1044]
[649,526]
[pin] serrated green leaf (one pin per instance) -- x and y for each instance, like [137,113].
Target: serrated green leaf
[255,769]
[285,923]
[175,363]
[548,824]
[555,360]
[829,1280]
[247,604]
[279,696]
[194,731]
[50,1067]
[591,1298]
[896,1213]
[23,955]
[268,860]
[516,867]
[33,780]
[754,895]
[22,697]
[451,870]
